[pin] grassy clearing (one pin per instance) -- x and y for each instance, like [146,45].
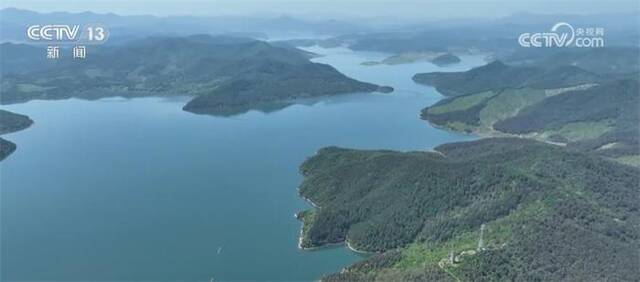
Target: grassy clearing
[499,106]
[579,131]
[461,103]
[508,103]
[632,160]
[498,232]
[496,235]
[27,88]
[461,127]
[418,255]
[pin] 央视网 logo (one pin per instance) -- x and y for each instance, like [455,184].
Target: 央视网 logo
[563,34]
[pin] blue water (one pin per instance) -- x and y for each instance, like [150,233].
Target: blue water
[137,189]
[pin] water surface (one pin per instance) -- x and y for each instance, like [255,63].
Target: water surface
[137,189]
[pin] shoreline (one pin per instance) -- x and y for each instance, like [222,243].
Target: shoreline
[344,243]
[492,134]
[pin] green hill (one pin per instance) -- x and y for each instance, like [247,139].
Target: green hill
[436,58]
[589,119]
[599,118]
[229,74]
[11,122]
[6,148]
[268,83]
[497,75]
[494,209]
[602,61]
[548,96]
[445,59]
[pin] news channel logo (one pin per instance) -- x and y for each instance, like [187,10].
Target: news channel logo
[78,36]
[563,34]
[68,34]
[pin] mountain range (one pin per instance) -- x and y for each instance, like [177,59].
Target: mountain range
[14,22]
[229,75]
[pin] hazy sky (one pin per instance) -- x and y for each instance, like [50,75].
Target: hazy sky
[414,9]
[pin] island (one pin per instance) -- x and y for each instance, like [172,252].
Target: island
[493,209]
[225,75]
[445,59]
[437,58]
[11,122]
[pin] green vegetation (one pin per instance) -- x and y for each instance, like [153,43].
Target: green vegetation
[585,119]
[460,104]
[11,122]
[445,59]
[633,160]
[411,57]
[578,131]
[497,75]
[508,103]
[31,88]
[6,148]
[418,255]
[493,209]
[602,61]
[307,218]
[228,75]
[437,58]
[552,101]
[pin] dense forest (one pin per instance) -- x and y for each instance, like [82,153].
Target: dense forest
[227,74]
[497,75]
[494,209]
[539,69]
[593,110]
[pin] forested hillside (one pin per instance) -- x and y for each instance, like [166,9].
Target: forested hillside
[561,104]
[494,209]
[229,75]
[497,75]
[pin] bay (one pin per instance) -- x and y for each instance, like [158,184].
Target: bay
[137,189]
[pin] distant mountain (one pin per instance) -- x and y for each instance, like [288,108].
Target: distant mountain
[609,61]
[13,24]
[11,122]
[445,59]
[488,210]
[230,75]
[497,37]
[436,58]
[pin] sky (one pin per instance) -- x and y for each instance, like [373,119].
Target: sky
[409,9]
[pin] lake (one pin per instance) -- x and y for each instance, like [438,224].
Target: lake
[137,189]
